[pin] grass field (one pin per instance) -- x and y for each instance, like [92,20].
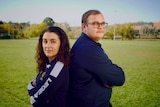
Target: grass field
[140,60]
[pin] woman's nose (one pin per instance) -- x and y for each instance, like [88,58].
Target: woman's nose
[48,44]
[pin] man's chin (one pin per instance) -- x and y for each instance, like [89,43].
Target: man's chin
[98,38]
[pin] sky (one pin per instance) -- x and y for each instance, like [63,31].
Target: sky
[71,11]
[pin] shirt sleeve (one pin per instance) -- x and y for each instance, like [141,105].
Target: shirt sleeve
[96,62]
[47,88]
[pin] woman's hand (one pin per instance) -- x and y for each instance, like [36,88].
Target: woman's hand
[34,82]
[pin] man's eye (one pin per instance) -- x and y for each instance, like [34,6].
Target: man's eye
[103,23]
[95,23]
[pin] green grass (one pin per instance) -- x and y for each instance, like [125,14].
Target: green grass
[139,59]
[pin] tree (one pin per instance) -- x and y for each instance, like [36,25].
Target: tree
[34,30]
[110,32]
[123,31]
[1,22]
[49,21]
[126,31]
[6,30]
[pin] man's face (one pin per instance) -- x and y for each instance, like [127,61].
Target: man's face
[95,27]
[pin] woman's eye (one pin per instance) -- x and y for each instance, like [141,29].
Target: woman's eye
[44,41]
[53,41]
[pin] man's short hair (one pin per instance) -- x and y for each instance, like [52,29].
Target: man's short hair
[88,13]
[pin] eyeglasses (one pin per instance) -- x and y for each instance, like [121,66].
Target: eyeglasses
[97,24]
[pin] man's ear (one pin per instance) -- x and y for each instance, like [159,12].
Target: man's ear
[83,27]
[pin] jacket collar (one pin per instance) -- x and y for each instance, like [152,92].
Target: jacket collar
[85,36]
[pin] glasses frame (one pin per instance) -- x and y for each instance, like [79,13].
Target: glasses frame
[97,24]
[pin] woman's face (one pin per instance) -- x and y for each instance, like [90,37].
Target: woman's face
[50,44]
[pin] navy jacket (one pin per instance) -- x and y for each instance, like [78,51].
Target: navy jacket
[51,86]
[90,69]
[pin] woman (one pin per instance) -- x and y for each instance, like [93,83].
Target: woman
[50,87]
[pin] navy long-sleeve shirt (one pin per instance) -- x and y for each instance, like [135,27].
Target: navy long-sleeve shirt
[90,71]
[51,86]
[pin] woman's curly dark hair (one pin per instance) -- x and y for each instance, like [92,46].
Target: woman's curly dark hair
[64,51]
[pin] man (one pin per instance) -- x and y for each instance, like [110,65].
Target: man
[92,73]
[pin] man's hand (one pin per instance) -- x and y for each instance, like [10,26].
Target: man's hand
[107,86]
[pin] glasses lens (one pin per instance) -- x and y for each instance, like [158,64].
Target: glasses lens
[102,24]
[97,24]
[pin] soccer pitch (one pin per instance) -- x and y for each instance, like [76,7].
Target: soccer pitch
[140,59]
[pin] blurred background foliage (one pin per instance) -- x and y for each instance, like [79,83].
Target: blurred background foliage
[12,30]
